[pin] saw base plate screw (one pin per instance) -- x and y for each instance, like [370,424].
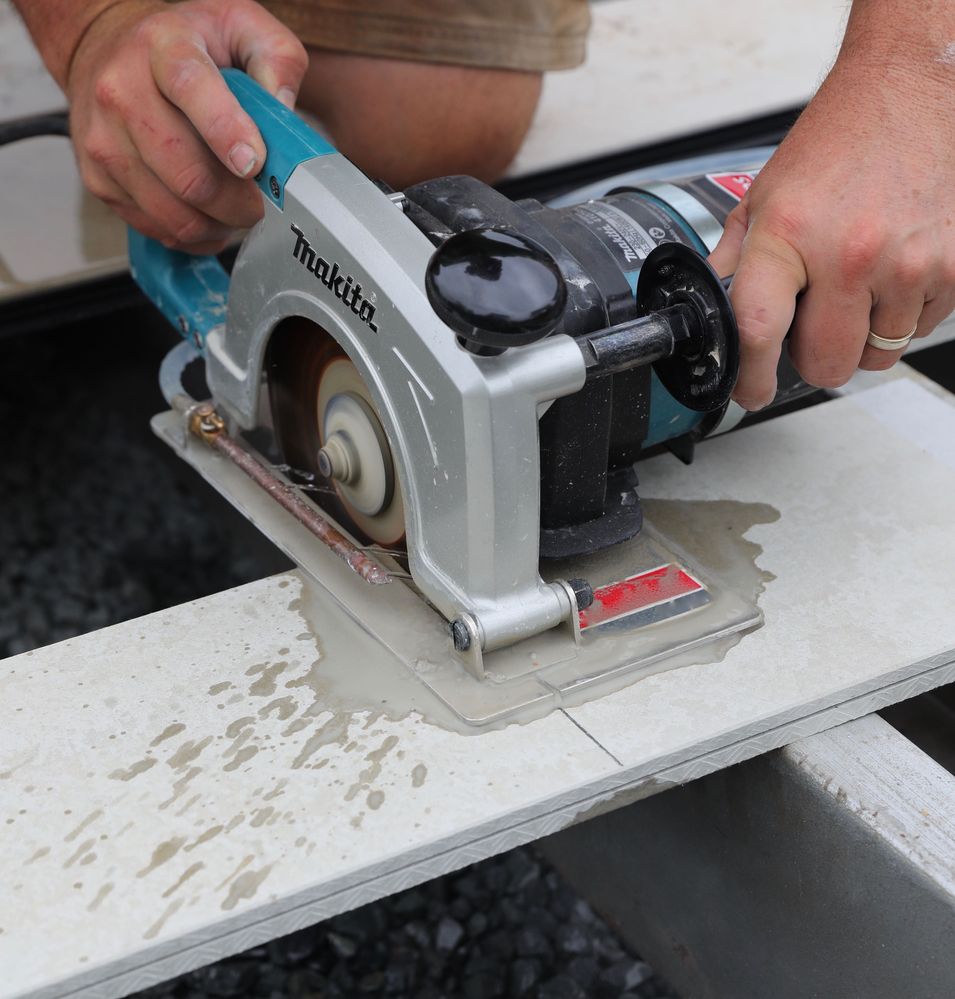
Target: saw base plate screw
[460,635]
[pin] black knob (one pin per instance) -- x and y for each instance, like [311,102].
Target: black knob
[495,288]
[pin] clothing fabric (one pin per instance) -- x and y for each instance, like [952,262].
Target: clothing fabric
[508,34]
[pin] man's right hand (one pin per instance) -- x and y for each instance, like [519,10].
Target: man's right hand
[158,135]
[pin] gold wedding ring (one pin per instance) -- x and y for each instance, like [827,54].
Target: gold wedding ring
[885,343]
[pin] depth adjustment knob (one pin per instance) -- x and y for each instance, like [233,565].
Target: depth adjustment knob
[495,288]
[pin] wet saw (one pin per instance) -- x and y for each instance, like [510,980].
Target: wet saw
[434,400]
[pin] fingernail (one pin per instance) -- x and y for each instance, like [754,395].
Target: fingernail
[287,96]
[242,157]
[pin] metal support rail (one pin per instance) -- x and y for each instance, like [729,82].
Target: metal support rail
[824,869]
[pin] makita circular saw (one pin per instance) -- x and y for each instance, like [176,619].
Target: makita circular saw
[450,389]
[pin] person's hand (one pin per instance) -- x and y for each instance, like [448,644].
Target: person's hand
[158,135]
[848,228]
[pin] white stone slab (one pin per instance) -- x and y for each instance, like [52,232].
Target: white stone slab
[864,559]
[159,812]
[52,231]
[906,412]
[175,781]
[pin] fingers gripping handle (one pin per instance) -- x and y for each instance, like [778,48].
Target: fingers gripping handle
[288,140]
[192,291]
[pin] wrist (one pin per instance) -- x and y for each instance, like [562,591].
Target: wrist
[57,26]
[892,93]
[109,16]
[69,23]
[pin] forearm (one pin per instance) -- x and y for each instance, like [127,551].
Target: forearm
[58,26]
[917,38]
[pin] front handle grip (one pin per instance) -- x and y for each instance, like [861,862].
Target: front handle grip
[289,141]
[192,291]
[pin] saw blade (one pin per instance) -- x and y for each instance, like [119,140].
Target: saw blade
[316,392]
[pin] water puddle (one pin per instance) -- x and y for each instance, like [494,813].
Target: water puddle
[354,672]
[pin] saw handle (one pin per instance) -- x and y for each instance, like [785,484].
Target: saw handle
[192,291]
[289,141]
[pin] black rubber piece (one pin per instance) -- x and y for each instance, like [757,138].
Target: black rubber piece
[702,373]
[496,288]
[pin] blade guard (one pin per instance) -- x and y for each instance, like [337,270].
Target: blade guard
[192,291]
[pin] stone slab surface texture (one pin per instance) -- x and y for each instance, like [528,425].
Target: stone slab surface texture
[850,602]
[183,786]
[645,79]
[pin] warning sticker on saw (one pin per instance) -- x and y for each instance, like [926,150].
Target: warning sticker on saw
[735,184]
[649,597]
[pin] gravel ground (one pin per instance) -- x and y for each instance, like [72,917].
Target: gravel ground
[508,927]
[100,524]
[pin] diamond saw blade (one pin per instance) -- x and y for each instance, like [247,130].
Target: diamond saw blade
[327,427]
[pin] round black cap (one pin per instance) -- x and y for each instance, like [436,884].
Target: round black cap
[495,288]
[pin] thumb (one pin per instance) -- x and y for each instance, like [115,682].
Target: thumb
[268,51]
[769,277]
[725,257]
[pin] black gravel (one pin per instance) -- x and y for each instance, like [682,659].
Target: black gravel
[99,524]
[502,929]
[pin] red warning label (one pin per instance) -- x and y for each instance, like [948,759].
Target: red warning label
[668,588]
[736,184]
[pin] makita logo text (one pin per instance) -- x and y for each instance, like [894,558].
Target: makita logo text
[343,286]
[629,254]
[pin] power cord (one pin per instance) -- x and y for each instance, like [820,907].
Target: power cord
[56,123]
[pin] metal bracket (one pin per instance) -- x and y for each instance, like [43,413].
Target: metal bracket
[472,658]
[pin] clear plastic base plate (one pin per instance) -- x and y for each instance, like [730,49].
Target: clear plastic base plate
[652,605]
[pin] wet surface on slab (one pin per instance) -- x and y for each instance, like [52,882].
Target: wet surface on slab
[217,771]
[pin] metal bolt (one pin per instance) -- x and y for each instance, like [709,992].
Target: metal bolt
[205,422]
[583,591]
[460,635]
[274,187]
